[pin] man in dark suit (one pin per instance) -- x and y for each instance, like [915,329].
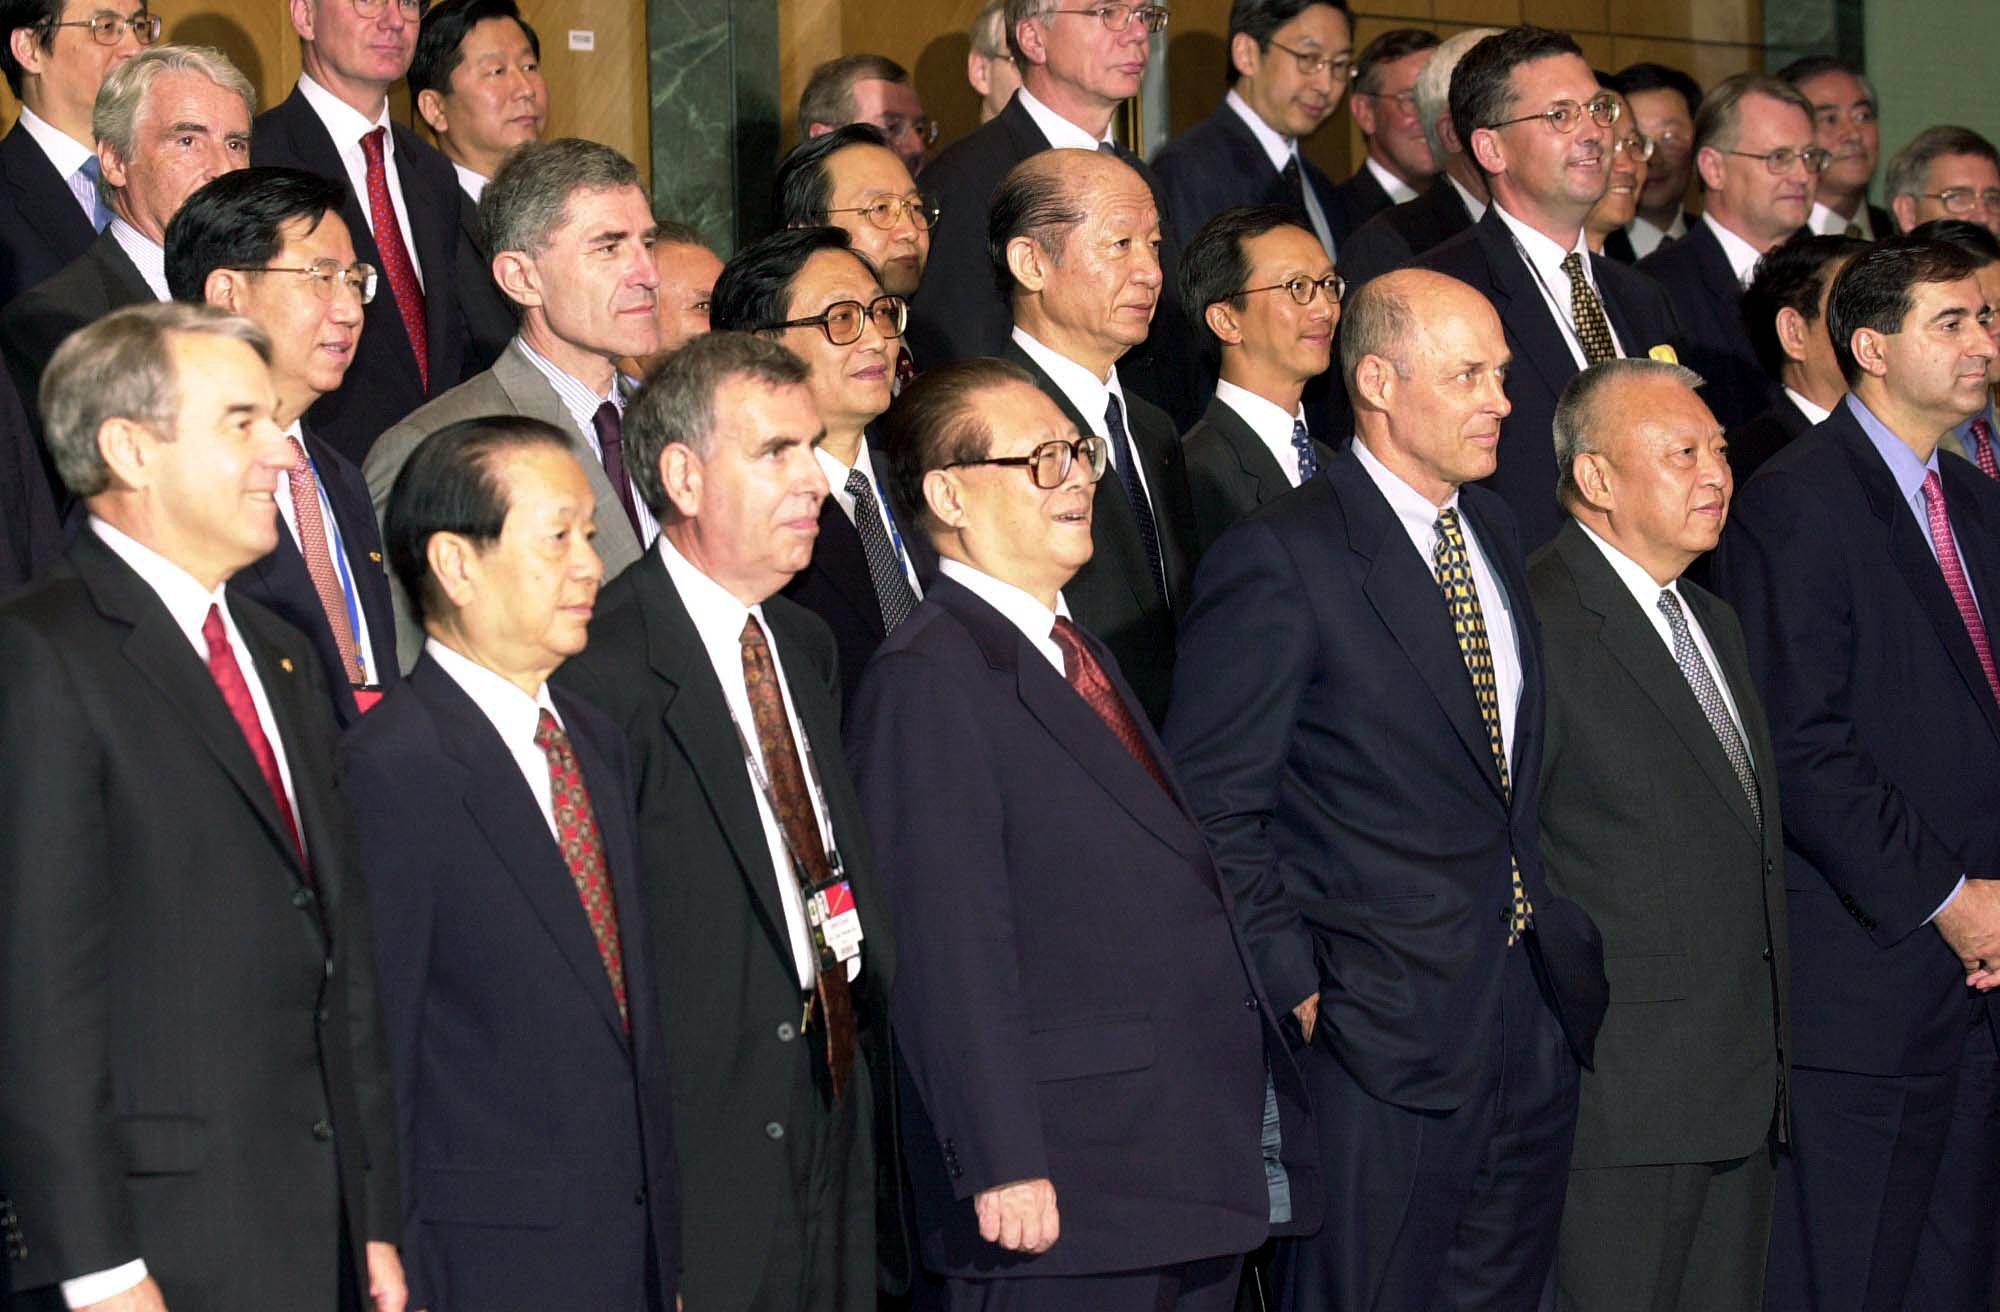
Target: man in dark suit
[1660,817]
[269,244]
[502,860]
[1563,307]
[1397,165]
[759,885]
[1289,66]
[1083,292]
[1861,562]
[1075,73]
[1244,275]
[1447,994]
[1749,204]
[402,209]
[1101,1111]
[1784,316]
[1845,111]
[196,1111]
[1663,102]
[809,290]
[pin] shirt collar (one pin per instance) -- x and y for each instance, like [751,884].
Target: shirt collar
[1828,223]
[1061,133]
[1814,414]
[1645,589]
[718,616]
[1677,229]
[65,152]
[1399,190]
[1742,256]
[1035,621]
[1412,507]
[1544,253]
[344,123]
[1277,146]
[473,184]
[148,256]
[836,472]
[575,394]
[1904,466]
[1473,205]
[514,714]
[1266,420]
[1085,390]
[185,599]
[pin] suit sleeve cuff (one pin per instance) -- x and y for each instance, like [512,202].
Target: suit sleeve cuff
[100,1285]
[1949,898]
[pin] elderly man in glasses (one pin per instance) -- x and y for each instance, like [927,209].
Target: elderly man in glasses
[812,292]
[1099,1111]
[1754,154]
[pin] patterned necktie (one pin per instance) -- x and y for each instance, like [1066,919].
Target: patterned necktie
[1955,579]
[1853,230]
[228,676]
[1592,328]
[906,370]
[1709,695]
[802,838]
[1981,433]
[396,263]
[1091,683]
[90,171]
[610,426]
[1453,568]
[319,564]
[583,852]
[885,568]
[1123,456]
[1302,446]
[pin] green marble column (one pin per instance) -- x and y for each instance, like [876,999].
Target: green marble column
[713,76]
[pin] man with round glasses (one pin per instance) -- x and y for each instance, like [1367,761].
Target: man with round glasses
[850,179]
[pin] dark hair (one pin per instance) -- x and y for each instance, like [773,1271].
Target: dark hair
[233,222]
[1657,77]
[451,484]
[40,15]
[1034,201]
[1215,266]
[755,287]
[1975,239]
[937,422]
[1260,20]
[1807,67]
[1482,88]
[1392,45]
[828,100]
[803,188]
[677,404]
[441,40]
[1878,287]
[1791,276]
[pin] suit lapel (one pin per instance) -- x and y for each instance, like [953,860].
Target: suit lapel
[1252,456]
[44,193]
[1521,307]
[122,282]
[838,557]
[1524,760]
[530,394]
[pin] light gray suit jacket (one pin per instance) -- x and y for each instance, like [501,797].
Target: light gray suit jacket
[513,386]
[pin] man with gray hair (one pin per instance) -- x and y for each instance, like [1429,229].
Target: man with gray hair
[759,885]
[871,89]
[1846,113]
[1659,816]
[572,237]
[989,65]
[197,1111]
[167,120]
[1946,172]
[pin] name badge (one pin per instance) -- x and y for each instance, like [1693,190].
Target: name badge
[836,921]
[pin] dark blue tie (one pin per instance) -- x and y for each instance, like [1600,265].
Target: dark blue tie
[1302,443]
[1135,491]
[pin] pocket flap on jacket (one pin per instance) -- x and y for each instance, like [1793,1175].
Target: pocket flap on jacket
[529,1200]
[1660,977]
[162,1145]
[1103,1046]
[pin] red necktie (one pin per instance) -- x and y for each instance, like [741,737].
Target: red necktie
[228,676]
[402,274]
[1954,578]
[583,852]
[1982,448]
[1088,678]
[319,563]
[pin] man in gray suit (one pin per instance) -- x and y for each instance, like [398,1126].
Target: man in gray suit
[1660,817]
[572,239]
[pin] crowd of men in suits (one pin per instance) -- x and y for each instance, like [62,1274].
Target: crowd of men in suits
[1055,733]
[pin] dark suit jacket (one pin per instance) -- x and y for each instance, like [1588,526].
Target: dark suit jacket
[1348,790]
[1708,302]
[1645,825]
[1751,444]
[490,319]
[382,384]
[34,324]
[30,534]
[959,311]
[729,989]
[537,1132]
[280,582]
[1356,201]
[1219,164]
[1231,472]
[1401,233]
[42,228]
[1486,258]
[195,1072]
[1618,246]
[1107,1034]
[1886,735]
[1114,595]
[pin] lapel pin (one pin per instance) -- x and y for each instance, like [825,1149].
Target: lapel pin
[285,664]
[1664,354]
[375,556]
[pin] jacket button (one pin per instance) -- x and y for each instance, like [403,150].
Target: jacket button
[302,899]
[785,1032]
[774,1131]
[639,1198]
[329,967]
[322,1131]
[1250,1003]
[1767,954]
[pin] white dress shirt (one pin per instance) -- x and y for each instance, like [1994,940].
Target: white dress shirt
[1399,190]
[1544,257]
[66,154]
[473,183]
[1272,426]
[836,479]
[147,255]
[357,615]
[1473,205]
[1282,150]
[1825,221]
[1036,622]
[1646,237]
[719,619]
[1815,414]
[346,125]
[1061,133]
[1742,256]
[514,715]
[582,404]
[1418,516]
[1088,393]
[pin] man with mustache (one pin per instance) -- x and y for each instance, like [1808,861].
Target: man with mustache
[1756,157]
[1846,114]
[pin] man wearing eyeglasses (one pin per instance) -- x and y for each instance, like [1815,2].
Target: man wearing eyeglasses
[850,179]
[871,89]
[1945,172]
[1757,161]
[269,244]
[1101,1113]
[1663,101]
[582,273]
[1539,128]
[1397,164]
[1845,124]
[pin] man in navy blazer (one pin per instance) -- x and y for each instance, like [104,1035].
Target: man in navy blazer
[1398,163]
[1861,562]
[1101,1111]
[1368,782]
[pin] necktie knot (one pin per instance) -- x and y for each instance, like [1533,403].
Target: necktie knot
[858,485]
[371,144]
[549,734]
[301,462]
[1983,454]
[1572,265]
[213,633]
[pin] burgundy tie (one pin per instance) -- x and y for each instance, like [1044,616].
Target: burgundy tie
[610,426]
[1954,578]
[1088,678]
[906,370]
[228,676]
[583,852]
[402,274]
[1982,448]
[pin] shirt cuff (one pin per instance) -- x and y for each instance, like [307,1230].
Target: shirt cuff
[100,1285]
[1948,899]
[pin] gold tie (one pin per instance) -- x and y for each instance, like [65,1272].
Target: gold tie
[1592,328]
[1454,576]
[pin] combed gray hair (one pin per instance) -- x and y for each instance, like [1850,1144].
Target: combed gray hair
[1576,411]
[988,38]
[1717,121]
[528,199]
[122,367]
[1433,89]
[1909,169]
[677,404]
[1018,12]
[114,118]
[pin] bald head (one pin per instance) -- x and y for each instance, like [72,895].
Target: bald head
[1393,316]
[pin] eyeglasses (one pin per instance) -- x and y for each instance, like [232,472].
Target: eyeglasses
[410,9]
[1051,462]
[1115,17]
[1831,116]
[842,321]
[324,275]
[1636,144]
[1965,200]
[1565,116]
[1311,61]
[1302,289]
[895,125]
[886,212]
[1405,102]
[1780,161]
[109,29]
